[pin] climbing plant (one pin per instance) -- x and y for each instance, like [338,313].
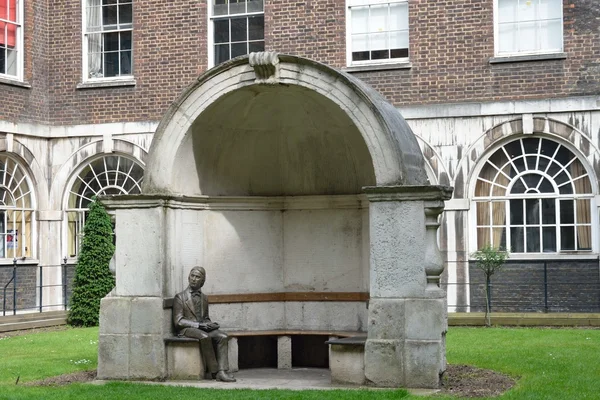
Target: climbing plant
[93,279]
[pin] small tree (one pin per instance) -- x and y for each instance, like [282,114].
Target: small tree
[93,279]
[490,259]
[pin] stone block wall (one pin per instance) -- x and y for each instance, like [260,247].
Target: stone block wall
[572,286]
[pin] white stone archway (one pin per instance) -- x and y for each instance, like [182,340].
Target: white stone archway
[287,180]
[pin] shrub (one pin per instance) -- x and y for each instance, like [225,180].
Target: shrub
[489,260]
[93,279]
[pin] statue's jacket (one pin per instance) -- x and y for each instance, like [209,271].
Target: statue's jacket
[184,312]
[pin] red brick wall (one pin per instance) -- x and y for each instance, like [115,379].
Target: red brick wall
[169,52]
[314,29]
[30,104]
[451,44]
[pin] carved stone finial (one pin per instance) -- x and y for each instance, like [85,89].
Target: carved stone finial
[266,67]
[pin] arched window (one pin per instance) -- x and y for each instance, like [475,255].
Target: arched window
[533,195]
[16,210]
[107,175]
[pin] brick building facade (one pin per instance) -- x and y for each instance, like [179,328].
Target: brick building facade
[462,73]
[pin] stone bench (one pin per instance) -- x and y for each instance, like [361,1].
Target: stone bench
[347,359]
[184,361]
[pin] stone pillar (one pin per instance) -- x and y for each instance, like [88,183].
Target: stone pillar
[407,321]
[284,352]
[132,330]
[51,258]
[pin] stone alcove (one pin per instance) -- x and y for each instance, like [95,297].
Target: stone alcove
[302,192]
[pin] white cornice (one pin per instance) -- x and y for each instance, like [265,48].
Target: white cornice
[64,131]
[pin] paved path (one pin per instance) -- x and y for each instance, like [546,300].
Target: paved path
[268,378]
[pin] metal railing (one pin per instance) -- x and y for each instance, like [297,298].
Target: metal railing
[25,289]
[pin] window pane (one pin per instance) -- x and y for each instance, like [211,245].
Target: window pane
[379,41]
[527,36]
[256,46]
[550,9]
[399,40]
[583,185]
[126,63]
[109,16]
[518,187]
[399,53]
[483,237]
[111,64]
[498,213]
[220,7]
[238,49]
[567,237]
[256,30]
[399,16]
[378,21]
[360,19]
[499,238]
[380,55]
[94,18]
[237,6]
[584,211]
[519,164]
[221,53]
[546,186]
[533,240]
[516,212]
[111,41]
[125,40]
[239,31]
[532,211]
[532,180]
[360,55]
[567,213]
[516,240]
[222,31]
[549,239]
[255,6]
[548,211]
[360,43]
[483,213]
[550,35]
[527,10]
[11,62]
[584,237]
[125,14]
[507,10]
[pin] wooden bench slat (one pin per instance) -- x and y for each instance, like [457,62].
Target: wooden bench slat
[280,297]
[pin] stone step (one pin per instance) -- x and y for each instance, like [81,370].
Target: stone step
[31,321]
[30,316]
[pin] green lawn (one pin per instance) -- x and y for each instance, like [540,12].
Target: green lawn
[551,364]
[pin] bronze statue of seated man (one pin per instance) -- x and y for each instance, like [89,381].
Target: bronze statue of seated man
[190,317]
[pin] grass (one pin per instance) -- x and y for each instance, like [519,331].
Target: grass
[551,364]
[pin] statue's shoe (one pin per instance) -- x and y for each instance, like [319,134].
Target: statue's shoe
[224,377]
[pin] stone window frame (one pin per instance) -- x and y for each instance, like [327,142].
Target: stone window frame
[231,10]
[15,20]
[403,53]
[123,28]
[18,226]
[491,220]
[537,20]
[90,180]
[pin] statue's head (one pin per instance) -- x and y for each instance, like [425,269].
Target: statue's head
[196,278]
